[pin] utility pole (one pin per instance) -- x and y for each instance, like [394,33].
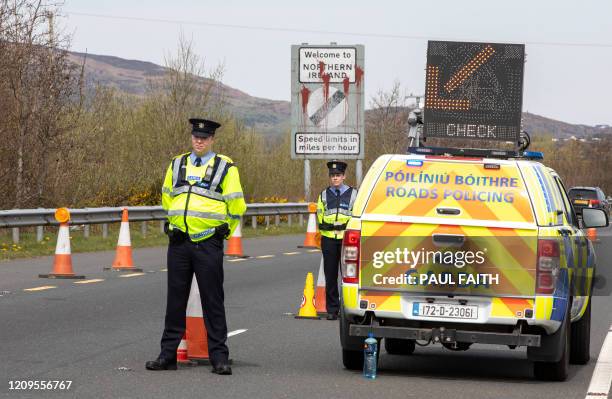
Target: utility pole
[51,31]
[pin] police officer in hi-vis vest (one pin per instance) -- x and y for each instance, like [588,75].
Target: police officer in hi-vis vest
[334,209]
[203,198]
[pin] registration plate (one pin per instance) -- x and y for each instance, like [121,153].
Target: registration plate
[581,202]
[446,310]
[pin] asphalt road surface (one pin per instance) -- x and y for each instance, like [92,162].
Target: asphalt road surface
[99,335]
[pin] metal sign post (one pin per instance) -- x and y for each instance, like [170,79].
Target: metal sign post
[327,103]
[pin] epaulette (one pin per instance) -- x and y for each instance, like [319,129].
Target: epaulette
[226,158]
[181,155]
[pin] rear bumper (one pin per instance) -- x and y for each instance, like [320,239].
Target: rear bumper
[446,335]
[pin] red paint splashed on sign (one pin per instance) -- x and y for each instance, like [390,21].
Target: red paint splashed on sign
[305,96]
[358,75]
[345,83]
[325,77]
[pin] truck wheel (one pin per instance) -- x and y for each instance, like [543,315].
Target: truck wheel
[395,346]
[352,347]
[556,371]
[352,360]
[580,346]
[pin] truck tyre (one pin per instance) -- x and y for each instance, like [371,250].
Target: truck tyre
[352,347]
[580,346]
[352,360]
[348,342]
[395,346]
[556,371]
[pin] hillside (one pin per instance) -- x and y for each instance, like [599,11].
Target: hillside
[134,77]
[267,116]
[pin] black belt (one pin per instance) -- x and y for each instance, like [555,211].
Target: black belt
[329,226]
[177,236]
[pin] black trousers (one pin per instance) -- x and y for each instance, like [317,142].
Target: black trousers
[331,249]
[205,259]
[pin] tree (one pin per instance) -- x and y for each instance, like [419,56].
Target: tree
[39,86]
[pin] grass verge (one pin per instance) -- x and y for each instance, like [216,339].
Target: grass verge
[28,247]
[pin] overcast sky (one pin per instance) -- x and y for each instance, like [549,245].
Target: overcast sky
[568,43]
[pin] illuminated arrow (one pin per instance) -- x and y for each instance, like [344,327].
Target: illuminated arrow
[432,100]
[468,69]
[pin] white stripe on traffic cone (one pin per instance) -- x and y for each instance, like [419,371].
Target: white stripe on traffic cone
[123,257]
[62,263]
[311,230]
[320,298]
[197,339]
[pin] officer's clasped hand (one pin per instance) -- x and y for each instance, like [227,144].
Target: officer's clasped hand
[222,230]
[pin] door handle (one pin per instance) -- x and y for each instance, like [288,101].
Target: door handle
[448,211]
[448,240]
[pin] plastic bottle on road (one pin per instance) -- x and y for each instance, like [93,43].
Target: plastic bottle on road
[370,356]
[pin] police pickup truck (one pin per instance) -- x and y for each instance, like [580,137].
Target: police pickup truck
[453,247]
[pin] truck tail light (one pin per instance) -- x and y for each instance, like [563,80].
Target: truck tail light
[351,245]
[549,262]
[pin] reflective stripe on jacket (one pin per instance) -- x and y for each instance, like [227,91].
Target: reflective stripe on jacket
[334,211]
[199,198]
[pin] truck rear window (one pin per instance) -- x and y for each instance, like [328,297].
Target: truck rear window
[451,189]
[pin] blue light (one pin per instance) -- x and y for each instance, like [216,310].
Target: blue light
[533,154]
[414,162]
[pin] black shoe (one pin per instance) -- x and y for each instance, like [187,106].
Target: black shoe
[161,364]
[222,369]
[332,316]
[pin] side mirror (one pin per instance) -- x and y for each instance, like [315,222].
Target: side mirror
[593,218]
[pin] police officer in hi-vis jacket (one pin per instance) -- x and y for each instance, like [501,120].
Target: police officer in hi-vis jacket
[334,210]
[203,198]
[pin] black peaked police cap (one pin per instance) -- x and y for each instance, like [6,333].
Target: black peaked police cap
[203,128]
[336,167]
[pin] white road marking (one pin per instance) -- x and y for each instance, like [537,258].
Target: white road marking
[236,332]
[602,375]
[314,250]
[265,256]
[291,253]
[236,260]
[163,270]
[93,280]
[132,275]
[41,288]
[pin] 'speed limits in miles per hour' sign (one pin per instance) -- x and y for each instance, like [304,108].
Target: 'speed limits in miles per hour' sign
[474,90]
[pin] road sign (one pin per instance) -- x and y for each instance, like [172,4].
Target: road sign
[474,90]
[327,102]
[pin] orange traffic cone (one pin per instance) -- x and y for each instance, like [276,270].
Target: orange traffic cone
[320,301]
[62,264]
[123,259]
[197,339]
[307,307]
[234,244]
[311,230]
[592,235]
[181,351]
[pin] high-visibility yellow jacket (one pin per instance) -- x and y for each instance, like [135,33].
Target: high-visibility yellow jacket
[334,211]
[200,198]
